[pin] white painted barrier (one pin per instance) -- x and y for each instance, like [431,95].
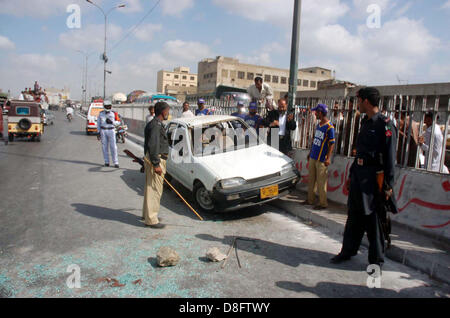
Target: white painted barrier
[423,198]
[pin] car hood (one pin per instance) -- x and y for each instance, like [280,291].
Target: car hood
[250,163]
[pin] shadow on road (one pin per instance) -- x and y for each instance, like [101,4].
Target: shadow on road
[328,289]
[53,159]
[287,255]
[79,133]
[108,214]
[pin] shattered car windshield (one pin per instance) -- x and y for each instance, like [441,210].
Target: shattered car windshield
[221,137]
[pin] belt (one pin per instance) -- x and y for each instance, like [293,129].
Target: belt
[108,128]
[364,162]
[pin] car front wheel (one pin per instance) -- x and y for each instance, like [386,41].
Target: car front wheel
[203,198]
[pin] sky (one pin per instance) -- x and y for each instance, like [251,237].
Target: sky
[410,44]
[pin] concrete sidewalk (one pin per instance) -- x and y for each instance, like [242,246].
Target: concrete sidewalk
[409,248]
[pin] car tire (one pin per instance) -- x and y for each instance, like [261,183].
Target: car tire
[203,198]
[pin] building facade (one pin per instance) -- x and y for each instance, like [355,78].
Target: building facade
[230,72]
[180,81]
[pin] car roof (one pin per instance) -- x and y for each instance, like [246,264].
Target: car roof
[202,120]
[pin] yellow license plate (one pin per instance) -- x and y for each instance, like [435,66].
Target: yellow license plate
[269,192]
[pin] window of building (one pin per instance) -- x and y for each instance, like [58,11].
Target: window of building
[305,83]
[233,74]
[275,79]
[313,84]
[176,84]
[258,75]
[267,78]
[168,75]
[250,76]
[176,76]
[192,85]
[184,85]
[299,82]
[283,80]
[184,77]
[225,73]
[241,75]
[192,78]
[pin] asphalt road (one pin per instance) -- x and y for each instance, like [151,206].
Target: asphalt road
[59,206]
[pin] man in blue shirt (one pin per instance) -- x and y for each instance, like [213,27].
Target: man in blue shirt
[253,119]
[241,111]
[202,111]
[319,158]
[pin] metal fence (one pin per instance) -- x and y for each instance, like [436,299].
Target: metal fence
[407,113]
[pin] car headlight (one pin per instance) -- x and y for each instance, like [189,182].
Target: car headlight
[231,183]
[287,168]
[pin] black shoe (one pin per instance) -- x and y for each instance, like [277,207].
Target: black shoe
[340,258]
[319,208]
[116,166]
[158,226]
[106,164]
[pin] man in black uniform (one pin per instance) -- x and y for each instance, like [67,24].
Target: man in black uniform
[156,150]
[376,153]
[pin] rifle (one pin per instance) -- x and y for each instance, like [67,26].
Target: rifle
[135,159]
[141,162]
[385,206]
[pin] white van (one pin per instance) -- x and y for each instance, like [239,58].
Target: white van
[91,119]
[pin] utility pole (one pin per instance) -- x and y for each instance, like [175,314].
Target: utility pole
[104,57]
[293,78]
[85,78]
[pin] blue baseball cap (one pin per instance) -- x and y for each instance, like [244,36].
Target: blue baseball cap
[321,108]
[253,105]
[201,101]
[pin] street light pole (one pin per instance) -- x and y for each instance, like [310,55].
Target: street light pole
[104,57]
[293,79]
[85,77]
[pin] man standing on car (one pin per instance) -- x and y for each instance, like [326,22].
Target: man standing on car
[261,92]
[372,179]
[106,126]
[319,158]
[156,153]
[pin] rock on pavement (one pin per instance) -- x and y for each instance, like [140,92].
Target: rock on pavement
[167,256]
[215,255]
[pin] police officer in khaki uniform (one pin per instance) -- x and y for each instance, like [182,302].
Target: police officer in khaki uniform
[156,151]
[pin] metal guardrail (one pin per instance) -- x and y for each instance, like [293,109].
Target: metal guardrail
[407,113]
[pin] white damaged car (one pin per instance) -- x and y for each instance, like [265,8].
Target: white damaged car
[225,164]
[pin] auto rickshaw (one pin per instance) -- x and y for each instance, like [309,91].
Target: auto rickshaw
[24,120]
